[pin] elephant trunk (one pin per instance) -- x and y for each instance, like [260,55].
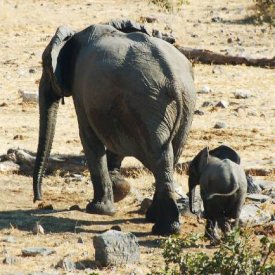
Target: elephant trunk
[48,107]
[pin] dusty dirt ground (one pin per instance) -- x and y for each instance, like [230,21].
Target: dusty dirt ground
[25,29]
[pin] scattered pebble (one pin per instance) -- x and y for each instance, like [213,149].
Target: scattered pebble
[222,104]
[242,94]
[28,96]
[207,104]
[220,125]
[205,90]
[18,137]
[199,112]
[32,71]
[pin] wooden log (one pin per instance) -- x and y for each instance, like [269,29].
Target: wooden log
[209,57]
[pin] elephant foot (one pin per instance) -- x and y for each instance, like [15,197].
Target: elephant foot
[101,208]
[164,228]
[164,213]
[121,187]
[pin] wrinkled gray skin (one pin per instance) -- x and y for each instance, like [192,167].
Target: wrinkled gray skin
[134,96]
[223,188]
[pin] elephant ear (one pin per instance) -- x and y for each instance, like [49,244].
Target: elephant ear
[204,156]
[225,152]
[51,59]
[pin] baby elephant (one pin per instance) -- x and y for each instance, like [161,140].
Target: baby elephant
[223,188]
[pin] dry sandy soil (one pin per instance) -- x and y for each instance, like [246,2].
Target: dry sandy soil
[25,29]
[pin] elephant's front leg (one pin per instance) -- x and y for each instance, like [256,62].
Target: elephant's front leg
[103,202]
[164,211]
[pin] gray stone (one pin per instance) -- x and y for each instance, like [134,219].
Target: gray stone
[220,125]
[222,104]
[258,197]
[253,215]
[9,166]
[67,264]
[28,96]
[34,251]
[205,90]
[252,186]
[199,112]
[266,185]
[242,94]
[116,248]
[207,104]
[10,260]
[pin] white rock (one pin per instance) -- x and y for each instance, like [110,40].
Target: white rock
[222,104]
[28,96]
[9,166]
[205,90]
[242,94]
[253,215]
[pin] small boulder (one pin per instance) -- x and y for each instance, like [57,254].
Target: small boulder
[207,104]
[220,125]
[116,248]
[242,94]
[9,166]
[28,96]
[205,90]
[199,112]
[253,215]
[67,264]
[266,185]
[222,104]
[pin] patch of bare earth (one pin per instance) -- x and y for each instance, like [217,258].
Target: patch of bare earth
[25,29]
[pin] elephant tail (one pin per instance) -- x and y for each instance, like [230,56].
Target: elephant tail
[236,187]
[177,96]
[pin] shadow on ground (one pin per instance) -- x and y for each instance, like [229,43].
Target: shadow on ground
[25,220]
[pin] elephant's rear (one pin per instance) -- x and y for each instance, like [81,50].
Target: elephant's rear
[138,87]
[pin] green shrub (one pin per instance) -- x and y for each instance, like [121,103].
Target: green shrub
[235,255]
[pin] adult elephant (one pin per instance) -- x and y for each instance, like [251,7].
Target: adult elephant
[134,95]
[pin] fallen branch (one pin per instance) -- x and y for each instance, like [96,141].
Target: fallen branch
[209,57]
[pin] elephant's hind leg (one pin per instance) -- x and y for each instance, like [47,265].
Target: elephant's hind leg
[164,211]
[103,202]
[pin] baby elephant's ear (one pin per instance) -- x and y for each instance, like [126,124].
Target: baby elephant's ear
[204,159]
